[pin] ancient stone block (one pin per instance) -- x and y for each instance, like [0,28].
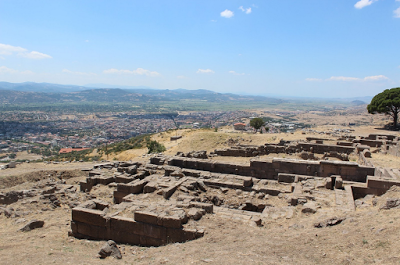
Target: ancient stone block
[151,242]
[171,221]
[146,217]
[150,187]
[91,231]
[338,182]
[125,224]
[88,216]
[286,178]
[32,225]
[125,237]
[374,182]
[154,231]
[174,235]
[195,213]
[208,207]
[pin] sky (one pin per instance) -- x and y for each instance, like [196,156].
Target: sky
[307,48]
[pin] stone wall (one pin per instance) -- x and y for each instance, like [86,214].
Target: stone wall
[322,148]
[252,151]
[270,169]
[375,186]
[394,149]
[146,229]
[376,136]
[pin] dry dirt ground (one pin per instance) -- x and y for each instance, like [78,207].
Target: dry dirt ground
[367,236]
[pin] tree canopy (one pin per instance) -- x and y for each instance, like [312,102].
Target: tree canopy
[155,147]
[387,102]
[257,123]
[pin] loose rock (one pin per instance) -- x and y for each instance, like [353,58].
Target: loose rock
[32,225]
[110,249]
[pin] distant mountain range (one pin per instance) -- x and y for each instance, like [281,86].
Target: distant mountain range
[23,93]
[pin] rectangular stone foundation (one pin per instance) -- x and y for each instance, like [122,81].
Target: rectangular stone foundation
[148,230]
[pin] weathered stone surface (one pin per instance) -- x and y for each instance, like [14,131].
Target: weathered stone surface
[309,207]
[329,222]
[195,213]
[32,225]
[338,183]
[89,216]
[146,217]
[6,211]
[208,207]
[150,187]
[110,248]
[391,203]
[257,220]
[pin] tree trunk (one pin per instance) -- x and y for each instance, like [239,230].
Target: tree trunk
[395,114]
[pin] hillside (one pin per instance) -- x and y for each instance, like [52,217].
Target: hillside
[364,236]
[30,93]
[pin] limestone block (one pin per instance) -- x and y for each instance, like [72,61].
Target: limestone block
[125,237]
[91,231]
[171,221]
[137,186]
[146,217]
[195,213]
[88,216]
[338,183]
[123,179]
[125,224]
[328,183]
[152,242]
[286,178]
[174,235]
[125,188]
[374,182]
[150,187]
[309,207]
[208,207]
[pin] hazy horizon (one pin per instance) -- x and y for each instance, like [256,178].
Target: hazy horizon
[317,49]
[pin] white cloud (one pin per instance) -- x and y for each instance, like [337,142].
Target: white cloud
[181,77]
[346,78]
[227,13]
[363,3]
[138,71]
[375,78]
[343,78]
[397,12]
[234,73]
[205,71]
[77,73]
[246,10]
[35,55]
[313,79]
[6,49]
[6,70]
[27,72]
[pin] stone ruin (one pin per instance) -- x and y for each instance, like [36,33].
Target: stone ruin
[339,148]
[160,202]
[163,201]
